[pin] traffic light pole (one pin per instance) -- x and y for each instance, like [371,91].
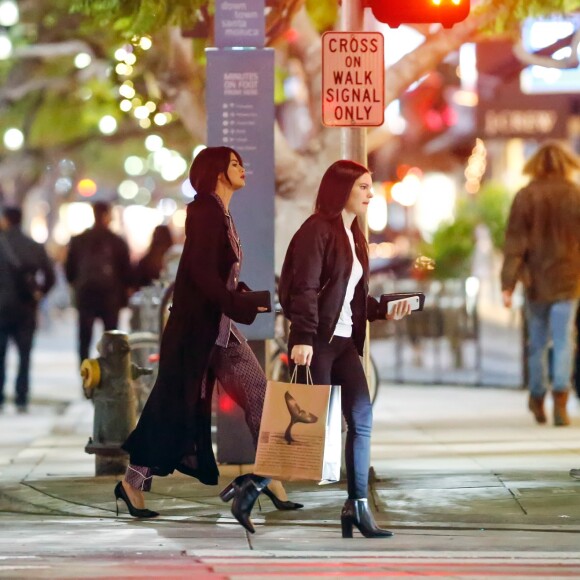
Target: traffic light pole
[353,140]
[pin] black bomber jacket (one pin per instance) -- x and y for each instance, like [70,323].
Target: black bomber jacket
[314,280]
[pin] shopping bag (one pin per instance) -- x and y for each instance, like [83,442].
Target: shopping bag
[300,432]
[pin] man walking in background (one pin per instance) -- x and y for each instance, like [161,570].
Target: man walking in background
[99,269]
[26,275]
[542,250]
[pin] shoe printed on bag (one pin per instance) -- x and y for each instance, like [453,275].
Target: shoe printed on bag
[297,415]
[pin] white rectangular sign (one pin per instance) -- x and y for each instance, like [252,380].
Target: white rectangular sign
[353,79]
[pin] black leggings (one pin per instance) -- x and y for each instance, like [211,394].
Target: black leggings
[338,363]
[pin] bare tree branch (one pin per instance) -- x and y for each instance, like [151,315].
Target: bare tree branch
[50,50]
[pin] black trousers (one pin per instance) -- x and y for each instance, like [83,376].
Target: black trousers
[87,316]
[338,363]
[21,332]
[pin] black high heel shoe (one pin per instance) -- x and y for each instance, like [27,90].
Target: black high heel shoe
[120,493]
[244,490]
[356,513]
[280,504]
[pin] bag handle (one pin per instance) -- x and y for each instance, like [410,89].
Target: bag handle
[308,375]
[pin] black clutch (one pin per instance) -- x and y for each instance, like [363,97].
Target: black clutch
[417,300]
[259,299]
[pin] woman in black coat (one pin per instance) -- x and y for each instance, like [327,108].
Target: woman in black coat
[200,344]
[324,292]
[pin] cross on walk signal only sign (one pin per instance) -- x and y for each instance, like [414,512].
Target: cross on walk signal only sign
[353,79]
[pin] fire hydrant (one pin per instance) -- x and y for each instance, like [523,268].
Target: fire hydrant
[107,381]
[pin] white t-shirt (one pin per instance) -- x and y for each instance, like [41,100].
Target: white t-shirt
[344,325]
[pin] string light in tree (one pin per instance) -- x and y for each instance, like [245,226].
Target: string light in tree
[143,108]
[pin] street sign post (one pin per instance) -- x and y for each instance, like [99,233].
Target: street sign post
[353,79]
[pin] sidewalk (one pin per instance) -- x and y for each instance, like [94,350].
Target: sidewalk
[470,486]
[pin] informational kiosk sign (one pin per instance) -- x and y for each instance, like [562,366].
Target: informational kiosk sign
[353,79]
[239,23]
[240,105]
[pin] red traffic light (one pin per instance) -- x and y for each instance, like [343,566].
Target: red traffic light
[397,12]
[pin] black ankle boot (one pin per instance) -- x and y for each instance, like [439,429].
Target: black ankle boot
[244,490]
[356,512]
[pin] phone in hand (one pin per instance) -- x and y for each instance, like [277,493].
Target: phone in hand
[413,301]
[388,301]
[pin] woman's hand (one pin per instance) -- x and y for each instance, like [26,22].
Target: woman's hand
[400,310]
[302,354]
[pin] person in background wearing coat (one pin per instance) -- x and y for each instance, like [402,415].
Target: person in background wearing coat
[542,250]
[98,268]
[200,344]
[325,277]
[18,304]
[150,265]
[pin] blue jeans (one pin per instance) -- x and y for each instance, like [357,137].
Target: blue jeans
[338,363]
[555,320]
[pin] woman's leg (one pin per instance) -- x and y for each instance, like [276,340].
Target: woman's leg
[357,409]
[338,363]
[130,490]
[137,479]
[242,378]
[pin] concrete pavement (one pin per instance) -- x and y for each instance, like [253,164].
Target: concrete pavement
[470,486]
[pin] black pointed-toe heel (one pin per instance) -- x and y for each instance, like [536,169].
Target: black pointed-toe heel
[356,512]
[280,504]
[120,493]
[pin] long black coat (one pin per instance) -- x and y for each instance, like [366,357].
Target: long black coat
[174,431]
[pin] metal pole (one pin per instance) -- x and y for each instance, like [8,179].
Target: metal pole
[353,140]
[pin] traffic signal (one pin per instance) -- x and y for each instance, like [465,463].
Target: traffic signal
[397,12]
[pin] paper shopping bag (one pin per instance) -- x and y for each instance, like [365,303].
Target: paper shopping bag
[300,433]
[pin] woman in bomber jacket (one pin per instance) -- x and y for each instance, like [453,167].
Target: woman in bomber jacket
[324,292]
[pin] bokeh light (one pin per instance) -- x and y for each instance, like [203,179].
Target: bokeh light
[86,187]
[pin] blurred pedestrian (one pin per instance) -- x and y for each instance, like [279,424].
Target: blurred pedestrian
[26,275]
[150,266]
[324,288]
[99,269]
[200,344]
[542,250]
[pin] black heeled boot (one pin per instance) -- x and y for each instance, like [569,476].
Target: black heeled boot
[356,512]
[244,490]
